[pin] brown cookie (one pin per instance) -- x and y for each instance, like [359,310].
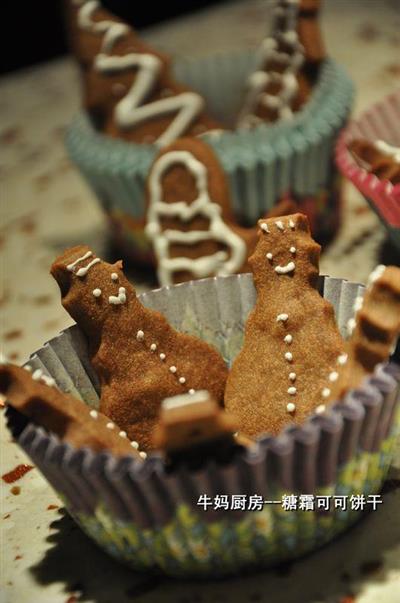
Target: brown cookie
[139,358]
[194,426]
[189,217]
[375,330]
[378,158]
[128,87]
[288,64]
[35,396]
[291,340]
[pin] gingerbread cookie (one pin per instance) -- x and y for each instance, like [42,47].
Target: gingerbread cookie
[287,66]
[189,216]
[35,396]
[139,358]
[291,339]
[128,87]
[374,332]
[194,427]
[378,158]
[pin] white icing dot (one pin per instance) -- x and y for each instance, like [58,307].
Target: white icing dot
[280,225]
[191,391]
[289,356]
[376,274]
[320,409]
[96,292]
[140,335]
[172,369]
[342,359]
[110,425]
[153,347]
[162,356]
[143,455]
[135,445]
[123,434]
[326,392]
[290,407]
[351,324]
[182,380]
[94,414]
[269,256]
[288,339]
[292,376]
[292,391]
[264,227]
[114,276]
[358,303]
[28,368]
[291,224]
[48,380]
[282,317]
[37,375]
[293,250]
[333,376]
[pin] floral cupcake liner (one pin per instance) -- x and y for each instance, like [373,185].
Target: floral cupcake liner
[150,518]
[293,157]
[380,122]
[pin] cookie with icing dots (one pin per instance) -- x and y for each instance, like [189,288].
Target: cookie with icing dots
[374,332]
[139,358]
[35,396]
[288,64]
[377,157]
[189,217]
[128,87]
[291,339]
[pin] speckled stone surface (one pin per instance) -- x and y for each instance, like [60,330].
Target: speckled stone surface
[45,206]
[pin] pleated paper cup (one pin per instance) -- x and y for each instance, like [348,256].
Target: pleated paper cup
[380,122]
[149,517]
[287,158]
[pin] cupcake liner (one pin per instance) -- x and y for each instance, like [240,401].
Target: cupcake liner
[381,121]
[292,157]
[149,518]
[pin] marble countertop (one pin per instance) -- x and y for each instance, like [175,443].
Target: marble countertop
[46,207]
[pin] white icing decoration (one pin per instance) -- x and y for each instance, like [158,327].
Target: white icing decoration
[292,376]
[182,380]
[376,274]
[123,434]
[289,356]
[162,356]
[288,339]
[94,414]
[290,407]
[264,75]
[87,255]
[143,454]
[83,271]
[389,150]
[293,250]
[292,224]
[358,303]
[333,376]
[119,299]
[285,269]
[280,225]
[351,325]
[342,359]
[326,392]
[37,375]
[153,347]
[292,391]
[140,335]
[114,276]
[172,369]
[269,256]
[130,110]
[282,317]
[219,263]
[320,409]
[49,381]
[26,367]
[192,391]
[96,292]
[110,425]
[135,445]
[264,227]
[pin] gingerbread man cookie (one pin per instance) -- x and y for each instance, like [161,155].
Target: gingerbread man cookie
[139,358]
[34,395]
[189,217]
[194,427]
[378,157]
[128,87]
[374,332]
[288,64]
[291,340]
